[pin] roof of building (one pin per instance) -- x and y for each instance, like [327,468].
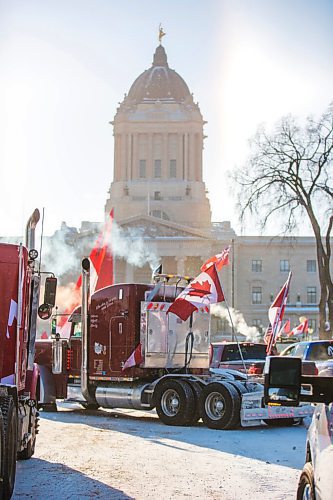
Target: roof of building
[159,82]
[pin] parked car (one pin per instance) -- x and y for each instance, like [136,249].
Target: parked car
[318,351]
[316,481]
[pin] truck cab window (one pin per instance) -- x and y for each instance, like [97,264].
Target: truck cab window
[77,329]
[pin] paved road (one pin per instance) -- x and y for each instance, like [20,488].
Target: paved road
[111,454]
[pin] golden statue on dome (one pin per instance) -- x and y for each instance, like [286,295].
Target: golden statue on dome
[161,33]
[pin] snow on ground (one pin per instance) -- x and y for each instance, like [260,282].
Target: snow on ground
[130,454]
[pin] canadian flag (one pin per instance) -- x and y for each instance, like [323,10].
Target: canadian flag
[220,260]
[202,291]
[276,312]
[284,329]
[135,358]
[300,329]
[101,271]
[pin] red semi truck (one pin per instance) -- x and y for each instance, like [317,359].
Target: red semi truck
[19,375]
[172,371]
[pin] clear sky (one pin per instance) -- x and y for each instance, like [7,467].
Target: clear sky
[65,65]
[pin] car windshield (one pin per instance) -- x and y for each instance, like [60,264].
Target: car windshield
[231,353]
[321,352]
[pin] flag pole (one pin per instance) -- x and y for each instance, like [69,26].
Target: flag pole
[277,319]
[234,334]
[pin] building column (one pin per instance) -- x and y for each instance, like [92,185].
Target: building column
[186,163]
[180,157]
[165,158]
[150,156]
[135,159]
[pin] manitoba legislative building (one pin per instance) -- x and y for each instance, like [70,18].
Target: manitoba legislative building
[158,194]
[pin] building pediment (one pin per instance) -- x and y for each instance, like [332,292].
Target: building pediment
[152,227]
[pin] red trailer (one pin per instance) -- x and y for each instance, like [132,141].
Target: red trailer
[169,361]
[19,375]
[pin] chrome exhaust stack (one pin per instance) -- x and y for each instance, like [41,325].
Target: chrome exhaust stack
[85,325]
[30,229]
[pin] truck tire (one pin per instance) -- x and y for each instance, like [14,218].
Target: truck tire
[9,412]
[175,403]
[305,487]
[29,450]
[220,406]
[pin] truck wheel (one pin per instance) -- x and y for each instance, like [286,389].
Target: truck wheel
[175,402]
[29,450]
[9,413]
[220,406]
[305,489]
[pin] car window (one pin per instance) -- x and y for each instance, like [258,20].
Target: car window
[321,352]
[299,350]
[289,351]
[231,353]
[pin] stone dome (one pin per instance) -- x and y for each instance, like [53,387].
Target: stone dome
[159,83]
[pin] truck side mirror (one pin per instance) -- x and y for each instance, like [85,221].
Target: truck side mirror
[50,291]
[282,380]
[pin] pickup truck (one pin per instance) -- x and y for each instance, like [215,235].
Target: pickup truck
[227,355]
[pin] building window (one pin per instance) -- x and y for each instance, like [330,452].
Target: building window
[159,214]
[257,266]
[257,323]
[142,169]
[173,169]
[311,266]
[312,326]
[157,168]
[284,266]
[311,294]
[256,295]
[157,195]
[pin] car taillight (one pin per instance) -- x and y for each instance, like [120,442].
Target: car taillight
[254,370]
[316,371]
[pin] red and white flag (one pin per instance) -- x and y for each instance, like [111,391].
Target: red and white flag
[285,328]
[101,272]
[303,327]
[204,290]
[135,358]
[276,312]
[220,260]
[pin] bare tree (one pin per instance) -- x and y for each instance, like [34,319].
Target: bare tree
[290,173]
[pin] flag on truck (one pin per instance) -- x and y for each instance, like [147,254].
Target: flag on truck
[303,327]
[220,260]
[275,314]
[135,358]
[204,290]
[101,272]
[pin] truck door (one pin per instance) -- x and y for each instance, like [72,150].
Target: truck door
[117,343]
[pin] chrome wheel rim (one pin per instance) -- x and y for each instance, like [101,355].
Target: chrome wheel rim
[215,406]
[170,402]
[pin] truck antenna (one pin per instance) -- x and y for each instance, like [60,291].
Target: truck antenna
[41,242]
